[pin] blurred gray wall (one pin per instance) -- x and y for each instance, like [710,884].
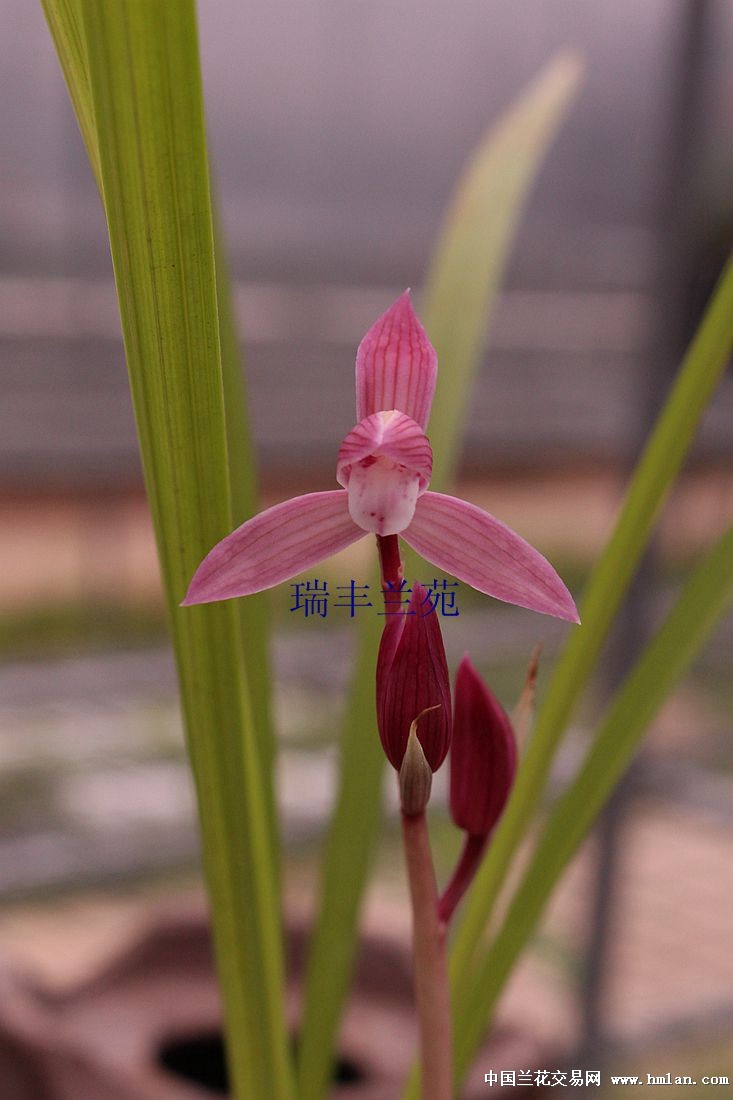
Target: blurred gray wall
[337,131]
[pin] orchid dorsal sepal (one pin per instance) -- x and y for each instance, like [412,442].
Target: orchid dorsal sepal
[396,365]
[416,776]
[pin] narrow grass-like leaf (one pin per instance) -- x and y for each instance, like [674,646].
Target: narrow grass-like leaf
[66,26]
[705,597]
[145,85]
[462,284]
[471,254]
[254,611]
[474,245]
[67,30]
[653,478]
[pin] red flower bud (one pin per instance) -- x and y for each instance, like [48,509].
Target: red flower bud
[483,755]
[412,678]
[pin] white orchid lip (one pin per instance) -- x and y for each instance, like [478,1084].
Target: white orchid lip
[382,495]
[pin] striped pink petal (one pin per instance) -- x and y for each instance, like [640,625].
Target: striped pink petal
[274,546]
[464,540]
[396,365]
[390,434]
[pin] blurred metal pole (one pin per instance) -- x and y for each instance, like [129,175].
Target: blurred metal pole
[673,322]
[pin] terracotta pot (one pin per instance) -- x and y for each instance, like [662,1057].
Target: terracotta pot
[147,1026]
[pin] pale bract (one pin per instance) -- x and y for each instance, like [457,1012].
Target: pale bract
[384,465]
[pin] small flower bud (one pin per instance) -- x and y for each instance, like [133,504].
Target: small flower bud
[416,778]
[412,678]
[483,755]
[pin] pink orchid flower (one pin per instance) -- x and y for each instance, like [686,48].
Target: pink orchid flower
[384,465]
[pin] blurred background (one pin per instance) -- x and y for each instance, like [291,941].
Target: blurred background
[337,133]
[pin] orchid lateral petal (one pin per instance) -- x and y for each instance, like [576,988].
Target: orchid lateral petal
[388,434]
[396,365]
[274,546]
[476,548]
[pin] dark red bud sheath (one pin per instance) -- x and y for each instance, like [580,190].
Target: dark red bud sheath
[412,677]
[483,755]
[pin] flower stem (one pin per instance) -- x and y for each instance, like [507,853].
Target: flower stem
[390,562]
[432,994]
[471,854]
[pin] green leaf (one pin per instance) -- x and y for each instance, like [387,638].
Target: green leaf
[142,64]
[471,254]
[475,242]
[254,612]
[652,480]
[65,23]
[705,597]
[67,30]
[462,284]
